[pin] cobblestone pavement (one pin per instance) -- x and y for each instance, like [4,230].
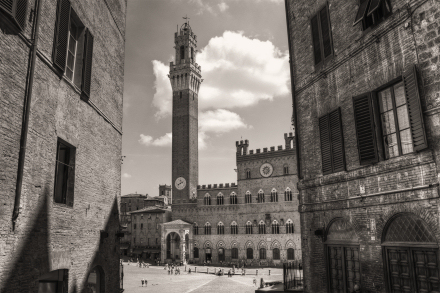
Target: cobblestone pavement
[200,282]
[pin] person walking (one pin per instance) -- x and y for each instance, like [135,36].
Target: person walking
[146,282]
[142,282]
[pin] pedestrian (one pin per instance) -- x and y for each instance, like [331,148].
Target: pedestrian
[189,271]
[255,281]
[146,282]
[148,265]
[142,282]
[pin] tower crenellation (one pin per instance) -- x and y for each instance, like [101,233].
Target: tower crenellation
[242,147]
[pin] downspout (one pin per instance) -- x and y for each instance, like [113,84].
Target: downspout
[292,87]
[26,112]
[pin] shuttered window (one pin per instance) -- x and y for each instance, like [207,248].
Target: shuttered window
[389,122]
[15,11]
[372,12]
[332,142]
[321,36]
[73,48]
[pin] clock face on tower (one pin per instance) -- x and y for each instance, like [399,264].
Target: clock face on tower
[180,183]
[266,170]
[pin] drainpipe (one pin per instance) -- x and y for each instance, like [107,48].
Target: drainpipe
[292,86]
[26,112]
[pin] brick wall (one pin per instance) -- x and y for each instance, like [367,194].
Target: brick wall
[50,236]
[362,62]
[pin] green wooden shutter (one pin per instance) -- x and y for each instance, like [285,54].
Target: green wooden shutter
[365,129]
[16,10]
[61,34]
[337,139]
[326,149]
[415,109]
[87,64]
[325,32]
[316,40]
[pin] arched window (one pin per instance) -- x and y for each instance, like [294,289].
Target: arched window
[196,229]
[409,245]
[220,228]
[207,199]
[196,252]
[276,253]
[260,197]
[220,199]
[233,198]
[234,228]
[248,197]
[289,227]
[248,227]
[288,194]
[275,227]
[249,253]
[182,52]
[261,227]
[286,170]
[234,253]
[274,195]
[342,245]
[290,254]
[248,174]
[221,254]
[262,253]
[207,228]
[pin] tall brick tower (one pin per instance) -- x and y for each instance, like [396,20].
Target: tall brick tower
[185,80]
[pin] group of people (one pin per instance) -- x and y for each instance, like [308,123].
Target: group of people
[172,269]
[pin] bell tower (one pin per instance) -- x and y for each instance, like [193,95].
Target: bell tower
[185,77]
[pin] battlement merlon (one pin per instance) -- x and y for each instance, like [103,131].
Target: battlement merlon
[218,186]
[289,140]
[242,147]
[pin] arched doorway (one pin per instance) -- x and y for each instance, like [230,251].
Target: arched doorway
[173,246]
[343,264]
[95,281]
[410,252]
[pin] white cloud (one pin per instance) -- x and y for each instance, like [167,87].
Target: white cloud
[223,6]
[238,72]
[148,140]
[126,175]
[220,121]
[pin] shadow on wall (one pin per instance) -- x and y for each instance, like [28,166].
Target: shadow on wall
[35,268]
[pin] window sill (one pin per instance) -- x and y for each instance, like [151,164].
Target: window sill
[62,205]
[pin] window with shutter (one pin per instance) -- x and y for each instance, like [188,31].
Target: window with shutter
[321,36]
[397,109]
[64,173]
[372,12]
[87,64]
[13,15]
[332,142]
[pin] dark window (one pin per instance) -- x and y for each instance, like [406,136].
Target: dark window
[196,252]
[207,229]
[196,230]
[275,228]
[142,226]
[262,253]
[234,253]
[286,170]
[288,195]
[262,228]
[192,53]
[332,142]
[290,254]
[248,174]
[14,12]
[73,48]
[207,200]
[220,229]
[274,196]
[182,52]
[233,198]
[248,197]
[248,228]
[64,173]
[134,226]
[389,121]
[289,228]
[321,36]
[234,228]
[276,253]
[221,254]
[249,253]
[260,197]
[220,199]
[371,12]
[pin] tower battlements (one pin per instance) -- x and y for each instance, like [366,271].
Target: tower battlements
[242,147]
[217,186]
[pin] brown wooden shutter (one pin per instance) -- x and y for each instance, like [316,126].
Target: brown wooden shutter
[326,149]
[17,11]
[61,34]
[87,66]
[415,109]
[325,32]
[361,11]
[337,139]
[365,129]
[316,40]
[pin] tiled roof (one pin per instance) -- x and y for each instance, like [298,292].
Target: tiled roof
[177,222]
[154,209]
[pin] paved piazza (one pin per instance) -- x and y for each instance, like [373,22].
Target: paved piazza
[200,282]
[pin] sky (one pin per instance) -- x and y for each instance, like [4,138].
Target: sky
[243,54]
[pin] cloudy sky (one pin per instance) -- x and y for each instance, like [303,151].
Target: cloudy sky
[245,94]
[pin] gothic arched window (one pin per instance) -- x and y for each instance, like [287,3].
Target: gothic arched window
[289,227]
[220,228]
[249,253]
[248,197]
[260,197]
[220,199]
[276,253]
[207,228]
[207,199]
[261,227]
[234,253]
[288,194]
[275,227]
[248,227]
[234,228]
[290,254]
[274,195]
[262,253]
[233,198]
[196,229]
